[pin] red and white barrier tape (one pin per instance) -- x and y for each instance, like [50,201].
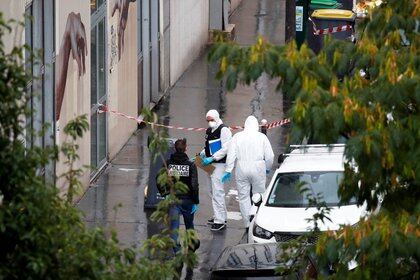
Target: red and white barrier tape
[330,30]
[104,109]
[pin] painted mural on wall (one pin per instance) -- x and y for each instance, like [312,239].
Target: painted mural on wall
[74,43]
[72,75]
[121,6]
[122,66]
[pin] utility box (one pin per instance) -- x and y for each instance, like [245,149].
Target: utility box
[151,194]
[330,19]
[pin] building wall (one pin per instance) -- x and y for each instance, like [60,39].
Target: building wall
[37,32]
[122,79]
[74,78]
[13,10]
[73,72]
[121,72]
[189,33]
[233,5]
[187,22]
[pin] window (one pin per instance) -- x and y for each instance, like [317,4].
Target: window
[39,63]
[292,189]
[94,5]
[98,122]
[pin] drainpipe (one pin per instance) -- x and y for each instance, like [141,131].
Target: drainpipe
[290,19]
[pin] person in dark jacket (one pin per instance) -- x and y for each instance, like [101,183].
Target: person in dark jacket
[180,165]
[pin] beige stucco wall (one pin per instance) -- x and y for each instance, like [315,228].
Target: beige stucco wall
[13,10]
[76,99]
[233,5]
[189,34]
[121,75]
[77,90]
[122,79]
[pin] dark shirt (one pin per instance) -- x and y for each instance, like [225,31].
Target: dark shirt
[179,164]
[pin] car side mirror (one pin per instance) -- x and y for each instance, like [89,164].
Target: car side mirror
[257,199]
[281,158]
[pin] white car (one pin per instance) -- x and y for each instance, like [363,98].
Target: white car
[283,211]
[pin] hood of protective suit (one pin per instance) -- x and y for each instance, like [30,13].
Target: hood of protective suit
[215,115]
[251,124]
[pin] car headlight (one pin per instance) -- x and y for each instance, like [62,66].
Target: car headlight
[261,233]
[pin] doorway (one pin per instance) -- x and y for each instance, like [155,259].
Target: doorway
[148,51]
[98,122]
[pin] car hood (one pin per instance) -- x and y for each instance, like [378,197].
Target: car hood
[295,219]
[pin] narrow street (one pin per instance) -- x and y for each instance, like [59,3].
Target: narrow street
[116,199]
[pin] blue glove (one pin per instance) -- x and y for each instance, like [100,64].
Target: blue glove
[267,171]
[226,177]
[194,208]
[207,161]
[198,155]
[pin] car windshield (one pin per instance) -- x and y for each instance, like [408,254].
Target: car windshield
[293,189]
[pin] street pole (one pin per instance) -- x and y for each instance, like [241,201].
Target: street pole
[301,12]
[290,19]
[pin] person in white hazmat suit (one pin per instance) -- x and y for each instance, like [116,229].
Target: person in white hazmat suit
[252,151]
[218,137]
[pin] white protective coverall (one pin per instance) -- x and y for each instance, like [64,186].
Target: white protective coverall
[217,191]
[254,156]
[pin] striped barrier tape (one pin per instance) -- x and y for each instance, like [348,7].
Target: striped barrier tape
[330,30]
[103,109]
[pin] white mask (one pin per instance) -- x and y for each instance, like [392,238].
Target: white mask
[212,124]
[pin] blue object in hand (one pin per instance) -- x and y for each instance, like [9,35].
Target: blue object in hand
[267,171]
[207,161]
[194,208]
[226,177]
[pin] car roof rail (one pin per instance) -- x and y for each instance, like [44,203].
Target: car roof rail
[312,146]
[317,146]
[313,153]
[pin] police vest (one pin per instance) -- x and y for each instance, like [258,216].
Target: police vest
[211,136]
[183,170]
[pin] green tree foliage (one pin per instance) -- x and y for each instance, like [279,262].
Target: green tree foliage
[369,93]
[43,236]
